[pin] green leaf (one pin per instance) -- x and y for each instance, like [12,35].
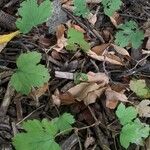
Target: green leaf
[29,73]
[64,122]
[80,8]
[33,14]
[126,115]
[75,40]
[140,88]
[129,33]
[134,132]
[38,136]
[78,77]
[111,6]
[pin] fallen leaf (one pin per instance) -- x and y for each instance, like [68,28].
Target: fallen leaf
[55,98]
[37,93]
[121,50]
[66,98]
[98,77]
[148,44]
[89,141]
[144,108]
[78,28]
[92,18]
[40,91]
[116,19]
[61,40]
[99,49]
[112,98]
[4,39]
[109,58]
[62,98]
[87,92]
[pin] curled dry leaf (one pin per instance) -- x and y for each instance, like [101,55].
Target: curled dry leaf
[144,108]
[111,58]
[62,98]
[55,98]
[99,49]
[116,19]
[61,40]
[37,93]
[92,18]
[112,98]
[121,50]
[87,92]
[98,77]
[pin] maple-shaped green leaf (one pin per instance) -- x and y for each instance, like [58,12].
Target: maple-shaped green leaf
[140,88]
[76,40]
[38,136]
[129,33]
[80,8]
[64,122]
[32,14]
[111,6]
[29,73]
[126,115]
[134,132]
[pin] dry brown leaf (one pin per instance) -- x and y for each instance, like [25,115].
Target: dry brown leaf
[121,50]
[144,108]
[37,93]
[87,92]
[99,49]
[66,98]
[112,98]
[148,44]
[92,18]
[111,58]
[78,28]
[98,77]
[62,98]
[116,19]
[55,98]
[61,40]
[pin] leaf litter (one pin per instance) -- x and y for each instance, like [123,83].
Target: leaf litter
[104,58]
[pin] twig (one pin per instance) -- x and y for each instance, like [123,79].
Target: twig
[6,101]
[93,32]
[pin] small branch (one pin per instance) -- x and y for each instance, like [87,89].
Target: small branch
[6,101]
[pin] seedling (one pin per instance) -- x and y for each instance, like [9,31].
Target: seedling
[40,135]
[129,34]
[111,6]
[140,88]
[29,73]
[133,130]
[31,14]
[76,40]
[80,8]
